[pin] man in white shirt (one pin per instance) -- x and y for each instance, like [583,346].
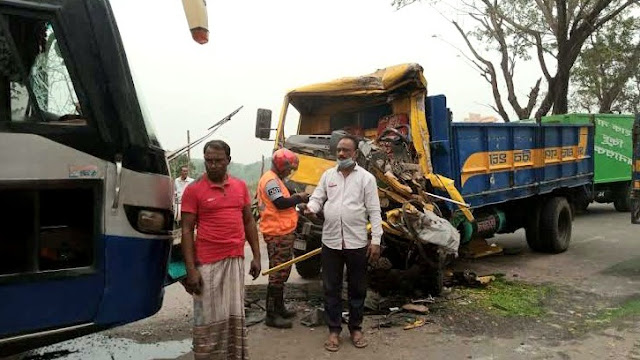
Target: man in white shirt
[179,185]
[347,195]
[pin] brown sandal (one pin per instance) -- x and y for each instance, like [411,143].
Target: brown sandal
[360,343]
[332,346]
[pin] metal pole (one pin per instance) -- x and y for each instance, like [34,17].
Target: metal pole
[447,199]
[292,261]
[188,154]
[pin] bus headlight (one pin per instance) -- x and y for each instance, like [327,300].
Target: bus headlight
[149,221]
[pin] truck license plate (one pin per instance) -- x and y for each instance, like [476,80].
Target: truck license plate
[300,245]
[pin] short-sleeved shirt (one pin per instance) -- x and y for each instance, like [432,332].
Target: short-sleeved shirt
[219,220]
[179,185]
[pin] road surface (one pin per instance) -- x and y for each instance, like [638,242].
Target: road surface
[600,270]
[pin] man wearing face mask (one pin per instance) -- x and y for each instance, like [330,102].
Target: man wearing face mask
[278,221]
[348,196]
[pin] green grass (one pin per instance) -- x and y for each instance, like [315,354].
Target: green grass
[508,298]
[627,309]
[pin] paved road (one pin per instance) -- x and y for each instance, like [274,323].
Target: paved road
[603,260]
[604,256]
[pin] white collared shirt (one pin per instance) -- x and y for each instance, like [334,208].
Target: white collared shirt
[347,203]
[178,187]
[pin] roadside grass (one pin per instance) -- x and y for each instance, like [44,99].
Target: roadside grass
[508,298]
[629,308]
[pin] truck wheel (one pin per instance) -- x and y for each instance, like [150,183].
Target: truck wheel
[555,226]
[434,280]
[635,211]
[622,203]
[309,268]
[532,228]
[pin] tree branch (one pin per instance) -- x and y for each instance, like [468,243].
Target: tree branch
[614,13]
[543,63]
[589,24]
[489,75]
[510,21]
[533,98]
[499,36]
[545,7]
[578,17]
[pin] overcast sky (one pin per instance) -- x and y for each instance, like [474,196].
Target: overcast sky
[258,50]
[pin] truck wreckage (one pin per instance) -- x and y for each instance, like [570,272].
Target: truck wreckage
[444,187]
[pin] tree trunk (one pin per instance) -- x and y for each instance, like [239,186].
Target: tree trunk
[606,104]
[547,102]
[560,95]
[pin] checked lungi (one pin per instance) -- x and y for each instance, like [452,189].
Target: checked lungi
[219,324]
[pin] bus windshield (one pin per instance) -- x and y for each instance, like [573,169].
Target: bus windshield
[37,93]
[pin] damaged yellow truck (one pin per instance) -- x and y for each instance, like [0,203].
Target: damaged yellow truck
[444,186]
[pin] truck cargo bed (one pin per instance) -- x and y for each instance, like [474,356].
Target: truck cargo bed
[612,144]
[497,162]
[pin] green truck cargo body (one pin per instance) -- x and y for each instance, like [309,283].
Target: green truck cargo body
[613,149]
[613,146]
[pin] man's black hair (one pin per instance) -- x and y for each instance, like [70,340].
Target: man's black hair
[218,145]
[353,139]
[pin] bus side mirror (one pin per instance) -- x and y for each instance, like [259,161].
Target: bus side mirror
[263,124]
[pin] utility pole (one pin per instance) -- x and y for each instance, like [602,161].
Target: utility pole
[188,154]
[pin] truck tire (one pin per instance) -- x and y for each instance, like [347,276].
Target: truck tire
[434,279]
[635,211]
[532,228]
[555,226]
[309,268]
[622,203]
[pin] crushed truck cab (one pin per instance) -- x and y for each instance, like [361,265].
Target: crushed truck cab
[482,178]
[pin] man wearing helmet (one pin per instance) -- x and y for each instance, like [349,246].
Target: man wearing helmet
[278,221]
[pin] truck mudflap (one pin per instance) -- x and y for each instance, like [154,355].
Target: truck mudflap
[635,176]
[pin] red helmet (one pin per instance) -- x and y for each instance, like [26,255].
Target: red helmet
[284,159]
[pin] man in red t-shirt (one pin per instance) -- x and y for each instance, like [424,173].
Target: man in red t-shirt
[219,206]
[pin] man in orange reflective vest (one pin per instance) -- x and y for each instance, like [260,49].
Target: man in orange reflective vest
[278,221]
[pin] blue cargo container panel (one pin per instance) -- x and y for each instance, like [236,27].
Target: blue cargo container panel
[496,162]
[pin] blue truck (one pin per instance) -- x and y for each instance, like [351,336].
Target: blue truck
[483,178]
[514,175]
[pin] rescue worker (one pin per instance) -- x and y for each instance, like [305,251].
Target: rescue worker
[278,221]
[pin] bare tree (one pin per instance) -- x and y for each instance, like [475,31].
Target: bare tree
[556,29]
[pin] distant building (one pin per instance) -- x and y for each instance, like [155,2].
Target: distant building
[477,118]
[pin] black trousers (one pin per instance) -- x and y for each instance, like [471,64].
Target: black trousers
[333,262]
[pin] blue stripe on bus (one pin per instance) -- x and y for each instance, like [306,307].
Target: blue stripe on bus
[130,289]
[136,270]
